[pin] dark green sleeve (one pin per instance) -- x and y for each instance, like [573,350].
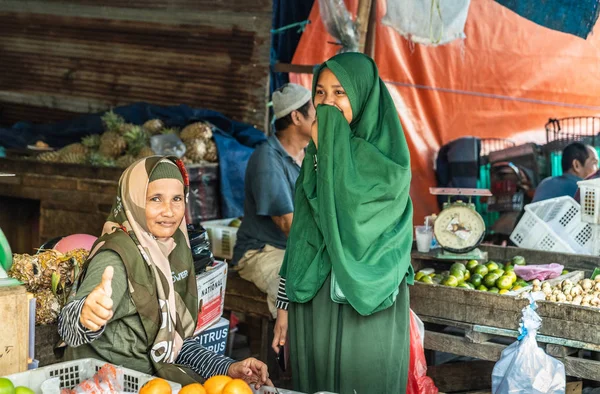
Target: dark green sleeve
[94,273]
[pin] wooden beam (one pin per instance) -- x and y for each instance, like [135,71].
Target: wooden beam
[293,68]
[371,31]
[362,21]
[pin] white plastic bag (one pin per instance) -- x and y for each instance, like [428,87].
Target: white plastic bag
[431,22]
[524,368]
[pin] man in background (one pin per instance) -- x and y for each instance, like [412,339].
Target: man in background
[578,162]
[269,187]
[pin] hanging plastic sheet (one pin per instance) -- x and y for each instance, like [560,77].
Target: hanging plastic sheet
[576,17]
[433,22]
[339,24]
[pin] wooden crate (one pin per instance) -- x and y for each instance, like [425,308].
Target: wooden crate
[14,315]
[564,321]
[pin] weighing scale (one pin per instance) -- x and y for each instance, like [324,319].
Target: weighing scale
[459,228]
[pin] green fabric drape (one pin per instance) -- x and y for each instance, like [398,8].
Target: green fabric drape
[353,213]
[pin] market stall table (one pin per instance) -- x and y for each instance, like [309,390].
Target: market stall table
[480,324]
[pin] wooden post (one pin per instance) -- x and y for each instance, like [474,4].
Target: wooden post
[371,31]
[362,20]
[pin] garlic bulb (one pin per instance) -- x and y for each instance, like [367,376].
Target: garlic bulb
[577,300]
[561,297]
[586,284]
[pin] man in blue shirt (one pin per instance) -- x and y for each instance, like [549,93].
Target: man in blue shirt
[269,188]
[578,162]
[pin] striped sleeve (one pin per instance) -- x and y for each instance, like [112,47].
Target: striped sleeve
[282,300]
[201,360]
[70,328]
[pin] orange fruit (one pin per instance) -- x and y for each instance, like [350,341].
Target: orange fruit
[237,386]
[216,384]
[156,386]
[194,388]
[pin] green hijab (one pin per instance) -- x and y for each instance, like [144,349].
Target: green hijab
[353,213]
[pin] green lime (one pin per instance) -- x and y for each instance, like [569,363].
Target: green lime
[427,279]
[451,281]
[481,270]
[459,274]
[564,272]
[471,285]
[516,287]
[493,290]
[518,260]
[464,286]
[472,264]
[504,282]
[521,282]
[23,390]
[459,266]
[490,280]
[467,274]
[512,275]
[492,266]
[509,267]
[476,280]
[419,275]
[482,288]
[6,386]
[431,275]
[498,272]
[437,278]
[503,291]
[500,266]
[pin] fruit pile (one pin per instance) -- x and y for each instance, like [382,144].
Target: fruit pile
[216,385]
[585,292]
[491,276]
[123,143]
[50,276]
[7,387]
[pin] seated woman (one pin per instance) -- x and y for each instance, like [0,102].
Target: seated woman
[136,302]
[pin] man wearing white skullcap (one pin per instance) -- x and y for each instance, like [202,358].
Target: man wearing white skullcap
[270,180]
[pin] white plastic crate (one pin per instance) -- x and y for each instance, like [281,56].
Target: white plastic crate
[222,237]
[554,225]
[589,197]
[71,373]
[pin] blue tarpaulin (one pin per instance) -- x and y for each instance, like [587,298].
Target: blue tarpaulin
[235,141]
[576,17]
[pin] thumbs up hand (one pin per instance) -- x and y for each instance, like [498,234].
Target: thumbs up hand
[97,309]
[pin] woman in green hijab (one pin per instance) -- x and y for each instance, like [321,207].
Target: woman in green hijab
[347,262]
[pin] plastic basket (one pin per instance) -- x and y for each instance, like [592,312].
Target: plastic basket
[222,237]
[589,192]
[554,225]
[71,373]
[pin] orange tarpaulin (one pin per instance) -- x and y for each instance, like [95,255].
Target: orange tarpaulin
[504,81]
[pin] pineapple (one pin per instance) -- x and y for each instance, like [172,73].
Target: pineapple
[198,130]
[49,157]
[211,151]
[112,121]
[125,128]
[26,268]
[91,141]
[112,144]
[99,160]
[145,152]
[136,138]
[47,307]
[76,148]
[74,158]
[195,150]
[153,126]
[125,161]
